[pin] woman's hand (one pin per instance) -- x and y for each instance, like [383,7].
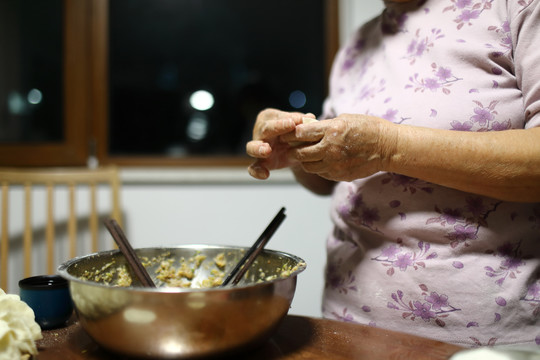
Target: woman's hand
[266,147]
[344,148]
[501,164]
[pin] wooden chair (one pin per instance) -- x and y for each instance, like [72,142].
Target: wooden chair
[50,179]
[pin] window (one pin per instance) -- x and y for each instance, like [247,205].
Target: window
[33,41]
[156,82]
[43,48]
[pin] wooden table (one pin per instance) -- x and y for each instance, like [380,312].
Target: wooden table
[297,337]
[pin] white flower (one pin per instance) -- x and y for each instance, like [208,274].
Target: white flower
[18,328]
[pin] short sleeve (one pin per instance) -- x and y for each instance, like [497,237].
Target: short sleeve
[328,109]
[526,39]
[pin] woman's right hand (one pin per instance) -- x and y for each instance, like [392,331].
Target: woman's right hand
[266,147]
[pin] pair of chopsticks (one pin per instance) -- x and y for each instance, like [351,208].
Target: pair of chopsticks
[235,275]
[243,265]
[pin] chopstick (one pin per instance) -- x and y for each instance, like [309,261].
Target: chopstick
[129,253]
[243,265]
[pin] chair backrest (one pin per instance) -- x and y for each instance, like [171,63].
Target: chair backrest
[51,178]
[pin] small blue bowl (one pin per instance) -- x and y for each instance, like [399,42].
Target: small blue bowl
[48,296]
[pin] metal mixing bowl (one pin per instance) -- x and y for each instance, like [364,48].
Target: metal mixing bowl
[170,322]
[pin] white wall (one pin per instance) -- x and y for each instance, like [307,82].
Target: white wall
[353,13]
[182,206]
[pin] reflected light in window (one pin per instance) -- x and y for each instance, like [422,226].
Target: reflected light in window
[16,103]
[201,100]
[297,99]
[34,96]
[197,128]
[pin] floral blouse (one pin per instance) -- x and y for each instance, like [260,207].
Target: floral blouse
[413,256]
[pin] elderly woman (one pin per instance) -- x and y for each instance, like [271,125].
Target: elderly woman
[430,146]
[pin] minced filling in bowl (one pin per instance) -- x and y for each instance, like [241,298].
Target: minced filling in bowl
[189,314]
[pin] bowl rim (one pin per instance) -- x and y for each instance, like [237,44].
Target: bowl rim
[43,282]
[62,269]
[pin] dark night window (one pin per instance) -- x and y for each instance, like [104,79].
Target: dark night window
[31,71]
[188,77]
[154,82]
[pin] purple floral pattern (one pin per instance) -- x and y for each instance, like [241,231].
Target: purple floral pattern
[406,183]
[421,45]
[395,257]
[504,46]
[477,343]
[358,212]
[483,119]
[434,306]
[509,266]
[351,55]
[344,316]
[442,79]
[341,283]
[468,10]
[371,90]
[465,222]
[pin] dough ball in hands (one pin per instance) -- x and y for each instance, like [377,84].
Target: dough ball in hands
[306,120]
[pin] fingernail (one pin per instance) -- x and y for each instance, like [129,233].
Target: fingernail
[251,171]
[257,172]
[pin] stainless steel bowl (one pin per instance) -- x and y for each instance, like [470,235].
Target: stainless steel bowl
[169,322]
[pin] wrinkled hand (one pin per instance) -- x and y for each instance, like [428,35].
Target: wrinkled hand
[266,147]
[345,148]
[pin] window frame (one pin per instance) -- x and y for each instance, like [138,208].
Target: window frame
[85,80]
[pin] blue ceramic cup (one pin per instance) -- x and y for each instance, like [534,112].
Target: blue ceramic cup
[48,296]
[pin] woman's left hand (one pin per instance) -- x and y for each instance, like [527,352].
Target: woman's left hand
[344,148]
[504,165]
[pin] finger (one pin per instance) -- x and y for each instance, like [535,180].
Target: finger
[298,117]
[258,149]
[312,132]
[307,152]
[258,171]
[274,128]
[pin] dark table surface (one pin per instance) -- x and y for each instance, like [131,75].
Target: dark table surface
[297,337]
